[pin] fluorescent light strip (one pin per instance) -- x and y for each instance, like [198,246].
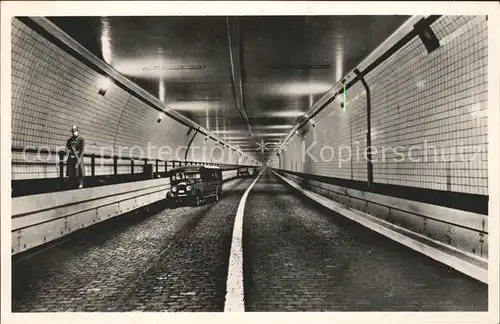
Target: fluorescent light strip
[274,127]
[298,88]
[105,41]
[238,138]
[270,134]
[289,113]
[229,132]
[161,90]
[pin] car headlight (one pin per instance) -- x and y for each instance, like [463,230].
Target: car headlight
[174,189]
[189,188]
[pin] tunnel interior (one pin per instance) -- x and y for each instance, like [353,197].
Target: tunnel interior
[352,153]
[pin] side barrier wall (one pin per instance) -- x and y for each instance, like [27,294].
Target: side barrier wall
[38,219]
[466,231]
[425,114]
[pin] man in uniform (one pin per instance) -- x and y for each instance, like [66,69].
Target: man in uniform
[75,147]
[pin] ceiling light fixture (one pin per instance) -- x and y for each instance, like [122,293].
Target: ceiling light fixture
[161,90]
[199,99]
[165,68]
[237,138]
[284,114]
[229,132]
[104,83]
[274,127]
[105,41]
[297,88]
[197,106]
[271,134]
[300,66]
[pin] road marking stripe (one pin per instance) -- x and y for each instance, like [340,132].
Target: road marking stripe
[235,301]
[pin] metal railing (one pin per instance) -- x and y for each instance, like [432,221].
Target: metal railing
[104,170]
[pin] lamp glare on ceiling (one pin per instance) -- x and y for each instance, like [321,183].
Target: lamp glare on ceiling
[270,134]
[281,126]
[283,114]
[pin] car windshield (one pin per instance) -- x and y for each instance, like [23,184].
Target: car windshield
[179,176]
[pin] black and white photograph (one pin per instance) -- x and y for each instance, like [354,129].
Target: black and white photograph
[259,157]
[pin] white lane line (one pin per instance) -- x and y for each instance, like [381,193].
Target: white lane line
[235,301]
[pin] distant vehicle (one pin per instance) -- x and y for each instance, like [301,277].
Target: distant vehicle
[193,184]
[246,171]
[242,172]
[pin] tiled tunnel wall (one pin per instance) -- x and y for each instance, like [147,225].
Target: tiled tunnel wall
[418,100]
[52,90]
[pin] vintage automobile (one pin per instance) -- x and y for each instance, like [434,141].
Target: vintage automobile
[245,171]
[193,184]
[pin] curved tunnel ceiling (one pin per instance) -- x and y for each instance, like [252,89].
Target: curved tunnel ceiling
[284,64]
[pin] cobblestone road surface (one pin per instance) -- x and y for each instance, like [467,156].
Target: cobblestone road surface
[301,257]
[156,260]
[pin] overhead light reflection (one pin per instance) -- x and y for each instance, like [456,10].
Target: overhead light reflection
[339,65]
[216,119]
[229,132]
[286,113]
[207,120]
[271,134]
[136,67]
[105,41]
[298,88]
[161,91]
[242,143]
[237,138]
[193,106]
[103,83]
[274,127]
